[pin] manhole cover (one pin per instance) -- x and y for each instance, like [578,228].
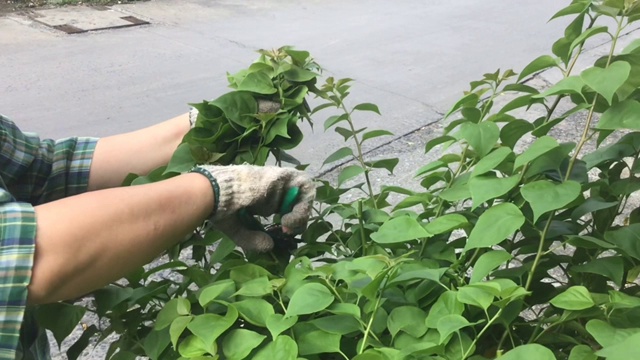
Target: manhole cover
[80,19]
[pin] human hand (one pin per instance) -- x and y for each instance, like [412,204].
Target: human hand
[261,191]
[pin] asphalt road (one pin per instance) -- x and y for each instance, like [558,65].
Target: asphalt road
[413,58]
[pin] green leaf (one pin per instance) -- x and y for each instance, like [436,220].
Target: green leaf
[374,134]
[566,86]
[181,160]
[545,196]
[513,131]
[574,298]
[484,188]
[624,350]
[237,106]
[332,120]
[279,127]
[491,161]
[623,115]
[632,47]
[475,296]
[277,323]
[60,318]
[256,287]
[607,81]
[576,7]
[257,82]
[446,304]
[588,34]
[481,137]
[215,290]
[607,335]
[282,348]
[171,310]
[538,64]
[239,343]
[627,239]
[208,327]
[529,352]
[225,247]
[337,324]
[446,223]
[367,107]
[592,204]
[345,309]
[434,165]
[471,99]
[177,328]
[255,311]
[620,300]
[388,164]
[109,297]
[312,340]
[155,343]
[193,347]
[422,274]
[449,324]
[399,229]
[438,141]
[309,298]
[297,74]
[349,172]
[521,101]
[247,272]
[487,262]
[494,225]
[582,352]
[538,148]
[610,267]
[409,319]
[87,336]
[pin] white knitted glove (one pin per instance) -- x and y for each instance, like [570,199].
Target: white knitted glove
[261,191]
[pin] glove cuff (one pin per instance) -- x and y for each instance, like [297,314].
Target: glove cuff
[214,185]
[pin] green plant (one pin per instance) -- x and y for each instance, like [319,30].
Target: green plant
[518,246]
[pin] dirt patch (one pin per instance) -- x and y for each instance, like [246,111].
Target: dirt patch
[10,6]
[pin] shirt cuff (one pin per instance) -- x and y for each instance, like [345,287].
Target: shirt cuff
[17,247]
[80,165]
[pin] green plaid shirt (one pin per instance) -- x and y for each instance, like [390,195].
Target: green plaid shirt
[32,172]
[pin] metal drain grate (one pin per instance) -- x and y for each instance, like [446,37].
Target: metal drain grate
[81,19]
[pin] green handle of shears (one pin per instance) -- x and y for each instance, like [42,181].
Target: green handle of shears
[289,200]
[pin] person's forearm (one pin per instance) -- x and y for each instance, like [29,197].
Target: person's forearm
[136,152]
[87,241]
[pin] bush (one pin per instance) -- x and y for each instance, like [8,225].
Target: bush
[517,246]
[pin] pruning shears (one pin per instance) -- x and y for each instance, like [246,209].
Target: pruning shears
[274,230]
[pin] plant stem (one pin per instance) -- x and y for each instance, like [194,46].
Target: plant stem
[484,329]
[368,330]
[585,133]
[362,235]
[539,254]
[360,154]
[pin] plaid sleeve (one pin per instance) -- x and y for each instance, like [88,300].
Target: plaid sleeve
[17,245]
[32,171]
[37,171]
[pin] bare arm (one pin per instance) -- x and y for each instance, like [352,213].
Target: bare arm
[87,241]
[136,152]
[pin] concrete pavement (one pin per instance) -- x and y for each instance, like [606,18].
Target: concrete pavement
[412,58]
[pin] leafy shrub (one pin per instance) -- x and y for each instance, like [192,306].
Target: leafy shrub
[517,246]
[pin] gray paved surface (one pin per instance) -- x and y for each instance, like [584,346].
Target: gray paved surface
[412,58]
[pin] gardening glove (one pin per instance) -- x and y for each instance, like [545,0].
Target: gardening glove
[261,191]
[264,107]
